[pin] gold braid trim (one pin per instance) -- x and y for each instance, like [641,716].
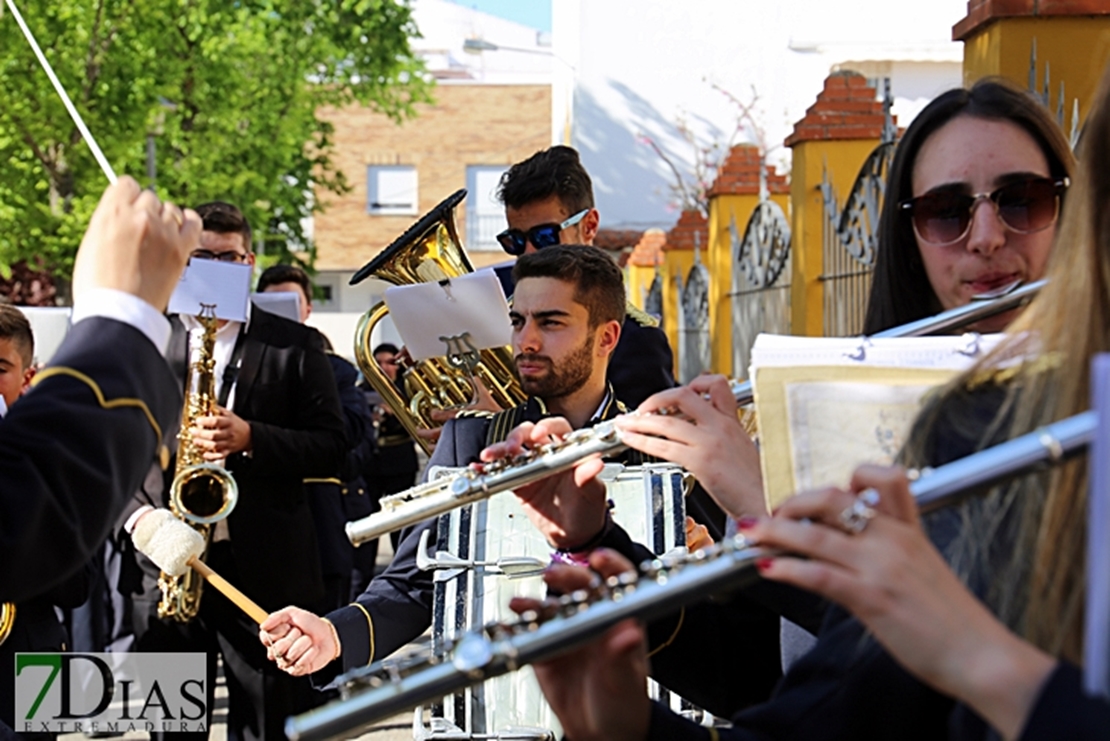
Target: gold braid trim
[640,316]
[123,401]
[674,634]
[370,623]
[713,735]
[331,480]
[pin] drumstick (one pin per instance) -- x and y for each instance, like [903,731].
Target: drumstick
[174,547]
[100,158]
[240,600]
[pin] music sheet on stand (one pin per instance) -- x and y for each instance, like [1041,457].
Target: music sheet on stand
[826,405]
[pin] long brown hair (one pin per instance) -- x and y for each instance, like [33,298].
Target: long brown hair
[1045,369]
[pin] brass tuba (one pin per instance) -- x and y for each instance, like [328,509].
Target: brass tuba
[202,493]
[430,250]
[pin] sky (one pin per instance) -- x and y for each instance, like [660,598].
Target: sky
[533,13]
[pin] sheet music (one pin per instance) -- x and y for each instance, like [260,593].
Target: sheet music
[282,303]
[425,314]
[837,426]
[827,404]
[1096,660]
[227,285]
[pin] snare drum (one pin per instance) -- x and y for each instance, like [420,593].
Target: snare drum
[488,553]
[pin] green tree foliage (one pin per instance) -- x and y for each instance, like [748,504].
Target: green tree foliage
[228,90]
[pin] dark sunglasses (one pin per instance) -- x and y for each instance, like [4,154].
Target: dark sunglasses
[219,256]
[1025,207]
[514,241]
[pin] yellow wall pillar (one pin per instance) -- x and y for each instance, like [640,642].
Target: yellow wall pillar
[1072,38]
[835,136]
[646,258]
[733,199]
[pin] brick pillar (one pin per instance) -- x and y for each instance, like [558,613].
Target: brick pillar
[733,197]
[1072,39]
[836,134]
[678,258]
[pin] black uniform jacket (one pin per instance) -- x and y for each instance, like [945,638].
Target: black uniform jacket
[75,448]
[327,497]
[286,390]
[397,605]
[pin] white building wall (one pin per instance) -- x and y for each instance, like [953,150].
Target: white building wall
[639,65]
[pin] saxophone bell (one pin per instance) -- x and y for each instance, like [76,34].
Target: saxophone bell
[203,493]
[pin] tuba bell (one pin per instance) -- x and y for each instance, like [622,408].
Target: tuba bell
[202,493]
[430,250]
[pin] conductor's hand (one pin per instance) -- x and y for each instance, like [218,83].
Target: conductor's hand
[222,434]
[298,641]
[568,508]
[598,691]
[136,244]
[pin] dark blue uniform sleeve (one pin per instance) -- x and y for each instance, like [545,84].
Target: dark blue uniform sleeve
[642,364]
[74,449]
[397,605]
[395,608]
[1063,710]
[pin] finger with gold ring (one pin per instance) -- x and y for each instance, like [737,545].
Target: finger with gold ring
[854,518]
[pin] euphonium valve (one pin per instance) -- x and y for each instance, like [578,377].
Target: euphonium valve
[202,493]
[430,250]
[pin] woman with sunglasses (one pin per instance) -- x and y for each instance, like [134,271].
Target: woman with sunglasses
[971,204]
[1012,659]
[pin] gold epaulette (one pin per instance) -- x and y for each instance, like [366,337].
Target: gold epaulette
[479,413]
[640,316]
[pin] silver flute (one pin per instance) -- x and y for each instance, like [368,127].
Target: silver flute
[435,498]
[391,686]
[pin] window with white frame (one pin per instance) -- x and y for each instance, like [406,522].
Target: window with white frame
[485,214]
[391,189]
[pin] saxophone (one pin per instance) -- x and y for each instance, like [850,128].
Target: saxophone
[202,493]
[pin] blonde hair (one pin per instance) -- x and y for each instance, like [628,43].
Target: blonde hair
[1038,587]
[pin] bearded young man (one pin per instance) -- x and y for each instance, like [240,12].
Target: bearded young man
[567,312]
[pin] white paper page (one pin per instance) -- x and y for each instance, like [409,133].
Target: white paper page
[952,352]
[282,303]
[225,285]
[427,314]
[836,426]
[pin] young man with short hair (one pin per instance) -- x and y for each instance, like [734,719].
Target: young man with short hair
[278,422]
[549,200]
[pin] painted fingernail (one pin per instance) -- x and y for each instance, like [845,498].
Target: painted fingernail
[764,563]
[747,522]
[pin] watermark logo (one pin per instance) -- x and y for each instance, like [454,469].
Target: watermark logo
[110,693]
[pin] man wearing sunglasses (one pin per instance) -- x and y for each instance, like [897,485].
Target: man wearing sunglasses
[549,200]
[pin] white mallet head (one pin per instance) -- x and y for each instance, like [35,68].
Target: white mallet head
[167,541]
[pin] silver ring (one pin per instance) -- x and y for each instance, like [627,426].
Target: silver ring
[854,519]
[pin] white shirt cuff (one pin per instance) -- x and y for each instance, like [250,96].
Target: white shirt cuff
[129,526]
[126,308]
